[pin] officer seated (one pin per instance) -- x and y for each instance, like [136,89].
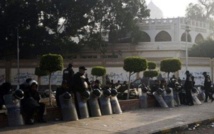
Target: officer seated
[31,104]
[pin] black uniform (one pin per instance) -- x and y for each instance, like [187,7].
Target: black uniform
[78,83]
[30,105]
[207,88]
[61,90]
[68,74]
[188,86]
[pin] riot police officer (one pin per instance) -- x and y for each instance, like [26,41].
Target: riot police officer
[188,86]
[207,87]
[31,104]
[68,74]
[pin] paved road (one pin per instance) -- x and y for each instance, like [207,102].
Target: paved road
[203,129]
[141,121]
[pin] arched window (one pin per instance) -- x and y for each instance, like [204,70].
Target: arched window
[199,38]
[163,36]
[144,37]
[183,37]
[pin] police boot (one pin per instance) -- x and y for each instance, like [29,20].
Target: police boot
[29,121]
[42,120]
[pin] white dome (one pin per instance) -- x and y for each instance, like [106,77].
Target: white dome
[155,12]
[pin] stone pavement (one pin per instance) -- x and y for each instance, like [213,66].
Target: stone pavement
[142,121]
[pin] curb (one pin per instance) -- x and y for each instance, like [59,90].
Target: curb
[183,127]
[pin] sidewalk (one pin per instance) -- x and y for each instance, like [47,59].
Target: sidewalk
[143,121]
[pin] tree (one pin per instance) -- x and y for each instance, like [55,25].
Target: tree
[150,73]
[40,73]
[202,11]
[133,65]
[170,65]
[151,65]
[203,49]
[51,63]
[40,24]
[98,71]
[109,17]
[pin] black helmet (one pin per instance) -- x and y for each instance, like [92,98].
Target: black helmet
[168,90]
[66,96]
[107,92]
[144,89]
[194,90]
[96,92]
[18,94]
[85,94]
[160,91]
[114,92]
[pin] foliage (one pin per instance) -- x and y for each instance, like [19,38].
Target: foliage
[135,64]
[132,65]
[51,63]
[98,71]
[150,74]
[170,65]
[203,49]
[40,72]
[115,18]
[40,24]
[202,11]
[151,65]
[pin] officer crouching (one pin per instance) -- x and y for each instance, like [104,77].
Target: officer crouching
[31,104]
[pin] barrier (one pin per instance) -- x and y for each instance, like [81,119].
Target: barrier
[13,110]
[82,106]
[94,108]
[168,97]
[105,104]
[68,108]
[143,98]
[159,98]
[194,93]
[114,102]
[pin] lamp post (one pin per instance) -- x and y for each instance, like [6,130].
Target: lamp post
[187,30]
[18,71]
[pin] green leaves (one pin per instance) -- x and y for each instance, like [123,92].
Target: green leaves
[40,72]
[170,65]
[151,65]
[135,64]
[150,74]
[98,71]
[203,49]
[51,63]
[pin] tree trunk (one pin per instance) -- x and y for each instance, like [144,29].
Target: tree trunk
[148,85]
[168,78]
[50,91]
[129,86]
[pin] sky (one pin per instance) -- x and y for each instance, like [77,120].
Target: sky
[172,8]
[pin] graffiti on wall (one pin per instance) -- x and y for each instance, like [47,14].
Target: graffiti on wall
[2,78]
[22,77]
[120,76]
[56,79]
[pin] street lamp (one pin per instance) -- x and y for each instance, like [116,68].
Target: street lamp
[18,71]
[187,30]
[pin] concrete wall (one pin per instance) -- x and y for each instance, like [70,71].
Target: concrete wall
[114,67]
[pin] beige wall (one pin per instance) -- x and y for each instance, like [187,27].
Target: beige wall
[114,69]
